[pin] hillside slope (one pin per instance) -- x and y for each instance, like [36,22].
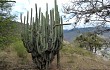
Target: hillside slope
[70,35]
[72,58]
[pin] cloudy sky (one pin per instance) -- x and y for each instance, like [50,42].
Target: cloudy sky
[22,6]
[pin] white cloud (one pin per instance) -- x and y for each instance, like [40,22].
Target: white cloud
[22,6]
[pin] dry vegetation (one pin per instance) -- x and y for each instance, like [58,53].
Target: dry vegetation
[72,58]
[78,59]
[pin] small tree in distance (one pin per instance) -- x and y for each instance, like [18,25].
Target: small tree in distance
[89,41]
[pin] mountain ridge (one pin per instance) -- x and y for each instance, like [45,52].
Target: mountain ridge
[70,35]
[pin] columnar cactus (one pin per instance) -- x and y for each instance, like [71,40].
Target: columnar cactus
[43,37]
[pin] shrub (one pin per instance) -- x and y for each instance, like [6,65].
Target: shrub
[20,49]
[89,41]
[70,49]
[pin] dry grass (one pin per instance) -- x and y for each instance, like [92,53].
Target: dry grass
[72,58]
[10,59]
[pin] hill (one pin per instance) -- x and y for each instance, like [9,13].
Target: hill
[71,58]
[70,35]
[15,57]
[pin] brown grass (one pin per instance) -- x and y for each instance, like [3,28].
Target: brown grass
[72,58]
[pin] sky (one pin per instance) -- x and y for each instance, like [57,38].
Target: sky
[22,6]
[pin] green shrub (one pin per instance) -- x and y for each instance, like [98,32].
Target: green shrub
[20,49]
[70,49]
[89,41]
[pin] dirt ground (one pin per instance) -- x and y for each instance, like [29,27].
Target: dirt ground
[73,62]
[68,61]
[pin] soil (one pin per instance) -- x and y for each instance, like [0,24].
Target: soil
[10,61]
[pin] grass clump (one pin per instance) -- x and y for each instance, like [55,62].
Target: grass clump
[70,49]
[20,49]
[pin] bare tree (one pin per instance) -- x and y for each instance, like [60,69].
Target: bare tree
[94,12]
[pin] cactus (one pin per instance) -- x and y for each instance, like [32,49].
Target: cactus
[43,37]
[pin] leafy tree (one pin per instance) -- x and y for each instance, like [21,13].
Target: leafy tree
[89,41]
[6,23]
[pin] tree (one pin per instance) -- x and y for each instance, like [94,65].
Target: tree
[5,9]
[6,24]
[95,12]
[89,41]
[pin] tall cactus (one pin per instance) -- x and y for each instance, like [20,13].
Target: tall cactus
[43,37]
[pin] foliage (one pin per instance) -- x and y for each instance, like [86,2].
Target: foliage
[7,26]
[8,33]
[89,41]
[20,49]
[72,49]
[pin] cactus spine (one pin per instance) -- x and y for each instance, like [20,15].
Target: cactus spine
[43,37]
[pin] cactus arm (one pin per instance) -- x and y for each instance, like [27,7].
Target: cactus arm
[44,36]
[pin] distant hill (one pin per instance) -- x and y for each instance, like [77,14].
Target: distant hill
[70,35]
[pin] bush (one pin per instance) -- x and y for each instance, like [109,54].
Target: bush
[20,49]
[70,49]
[89,41]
